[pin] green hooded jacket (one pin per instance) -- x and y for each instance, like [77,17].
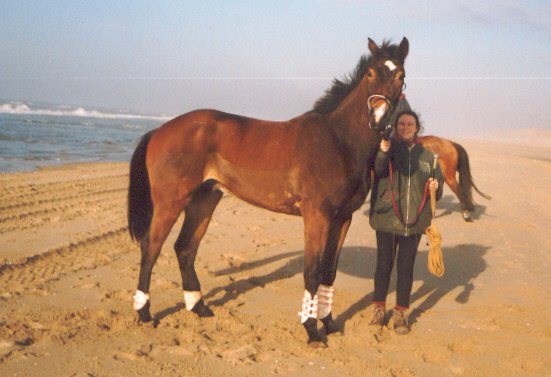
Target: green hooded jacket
[411,168]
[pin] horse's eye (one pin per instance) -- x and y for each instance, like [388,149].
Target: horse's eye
[370,73]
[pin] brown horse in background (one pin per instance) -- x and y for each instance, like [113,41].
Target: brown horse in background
[315,166]
[453,159]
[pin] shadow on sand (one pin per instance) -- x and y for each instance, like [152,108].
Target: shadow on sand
[464,263]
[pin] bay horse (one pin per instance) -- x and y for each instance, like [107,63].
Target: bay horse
[454,160]
[315,166]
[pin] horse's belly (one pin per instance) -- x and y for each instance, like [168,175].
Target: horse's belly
[270,189]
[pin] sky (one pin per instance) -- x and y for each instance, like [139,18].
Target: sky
[472,66]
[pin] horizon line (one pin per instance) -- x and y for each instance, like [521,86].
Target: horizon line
[268,78]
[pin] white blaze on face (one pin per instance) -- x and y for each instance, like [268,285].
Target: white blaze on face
[390,65]
[380,112]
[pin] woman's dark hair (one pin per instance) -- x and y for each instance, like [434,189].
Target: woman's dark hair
[418,125]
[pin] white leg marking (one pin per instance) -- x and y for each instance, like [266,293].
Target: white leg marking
[140,299]
[325,300]
[191,298]
[309,307]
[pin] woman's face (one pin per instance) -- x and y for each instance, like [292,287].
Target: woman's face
[406,128]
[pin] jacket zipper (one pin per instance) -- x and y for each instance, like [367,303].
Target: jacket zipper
[408,190]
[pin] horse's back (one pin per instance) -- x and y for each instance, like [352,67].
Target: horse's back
[254,159]
[267,163]
[447,153]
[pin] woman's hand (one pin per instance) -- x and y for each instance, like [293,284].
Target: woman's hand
[433,184]
[385,145]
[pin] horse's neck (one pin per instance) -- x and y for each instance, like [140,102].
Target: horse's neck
[351,127]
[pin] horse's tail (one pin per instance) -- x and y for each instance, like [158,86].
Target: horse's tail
[140,206]
[465,178]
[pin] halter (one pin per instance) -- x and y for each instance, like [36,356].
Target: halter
[369,107]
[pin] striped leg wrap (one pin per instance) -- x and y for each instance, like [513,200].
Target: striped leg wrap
[140,299]
[325,300]
[309,307]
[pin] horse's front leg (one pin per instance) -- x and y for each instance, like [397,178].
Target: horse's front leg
[337,235]
[316,230]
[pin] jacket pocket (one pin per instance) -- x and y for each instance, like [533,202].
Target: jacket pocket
[384,202]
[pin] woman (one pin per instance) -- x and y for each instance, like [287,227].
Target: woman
[400,212]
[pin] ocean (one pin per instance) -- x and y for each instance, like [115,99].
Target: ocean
[36,135]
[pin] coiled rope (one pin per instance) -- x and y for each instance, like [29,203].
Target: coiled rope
[435,259]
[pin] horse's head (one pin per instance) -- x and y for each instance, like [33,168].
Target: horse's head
[384,79]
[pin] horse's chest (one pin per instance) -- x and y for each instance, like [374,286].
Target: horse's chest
[353,195]
[358,198]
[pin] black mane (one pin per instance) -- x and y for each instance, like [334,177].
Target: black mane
[342,88]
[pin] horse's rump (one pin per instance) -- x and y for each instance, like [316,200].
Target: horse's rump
[454,160]
[465,177]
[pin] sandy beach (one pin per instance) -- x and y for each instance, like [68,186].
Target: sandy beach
[68,270]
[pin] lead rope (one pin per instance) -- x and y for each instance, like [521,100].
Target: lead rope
[395,206]
[435,261]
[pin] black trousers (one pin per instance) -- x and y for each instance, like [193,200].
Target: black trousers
[403,249]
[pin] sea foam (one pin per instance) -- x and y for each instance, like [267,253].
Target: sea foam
[27,108]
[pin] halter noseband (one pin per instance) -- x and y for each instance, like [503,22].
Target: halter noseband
[369,107]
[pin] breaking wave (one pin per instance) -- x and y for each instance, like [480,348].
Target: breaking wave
[26,108]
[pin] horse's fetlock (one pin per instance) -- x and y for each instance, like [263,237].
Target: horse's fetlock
[144,315]
[330,325]
[202,310]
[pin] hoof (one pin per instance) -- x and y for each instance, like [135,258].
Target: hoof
[143,314]
[317,344]
[202,310]
[314,338]
[330,325]
[466,216]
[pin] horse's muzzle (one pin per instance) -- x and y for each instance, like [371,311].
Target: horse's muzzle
[379,108]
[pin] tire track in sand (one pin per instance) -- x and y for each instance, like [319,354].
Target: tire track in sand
[87,202]
[34,273]
[59,200]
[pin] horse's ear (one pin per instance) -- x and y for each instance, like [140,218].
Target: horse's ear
[372,46]
[403,49]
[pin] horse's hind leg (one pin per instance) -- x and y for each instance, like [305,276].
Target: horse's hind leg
[163,219]
[197,217]
[454,185]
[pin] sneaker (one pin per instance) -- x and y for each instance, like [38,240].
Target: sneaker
[378,316]
[400,319]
